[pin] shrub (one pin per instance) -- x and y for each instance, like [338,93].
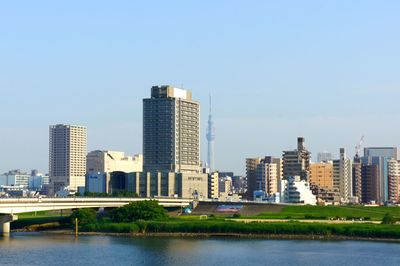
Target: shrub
[236,215]
[111,227]
[85,216]
[139,210]
[388,219]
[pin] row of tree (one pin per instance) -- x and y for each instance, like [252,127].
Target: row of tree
[132,212]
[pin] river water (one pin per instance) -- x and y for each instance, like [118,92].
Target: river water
[58,249]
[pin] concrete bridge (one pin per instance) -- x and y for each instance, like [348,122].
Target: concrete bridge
[10,207]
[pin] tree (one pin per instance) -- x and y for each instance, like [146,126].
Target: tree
[85,216]
[139,210]
[388,219]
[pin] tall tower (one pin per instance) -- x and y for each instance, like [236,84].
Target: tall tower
[67,157]
[210,139]
[171,131]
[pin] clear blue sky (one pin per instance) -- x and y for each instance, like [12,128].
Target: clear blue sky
[326,70]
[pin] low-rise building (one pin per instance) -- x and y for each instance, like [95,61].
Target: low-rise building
[15,178]
[225,187]
[150,184]
[296,190]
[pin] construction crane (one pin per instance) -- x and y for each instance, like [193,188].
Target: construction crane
[358,147]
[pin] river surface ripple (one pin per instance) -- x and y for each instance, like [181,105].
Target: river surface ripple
[58,249]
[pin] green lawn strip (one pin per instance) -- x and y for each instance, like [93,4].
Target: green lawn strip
[327,212]
[23,222]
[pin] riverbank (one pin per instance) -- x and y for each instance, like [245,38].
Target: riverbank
[217,227]
[219,235]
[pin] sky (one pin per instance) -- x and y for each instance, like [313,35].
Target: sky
[324,70]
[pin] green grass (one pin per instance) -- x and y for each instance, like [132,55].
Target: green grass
[28,221]
[43,214]
[231,227]
[111,227]
[326,212]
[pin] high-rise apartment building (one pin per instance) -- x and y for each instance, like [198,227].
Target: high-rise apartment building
[342,177]
[67,157]
[370,183]
[297,162]
[171,130]
[251,175]
[268,175]
[357,178]
[394,180]
[380,156]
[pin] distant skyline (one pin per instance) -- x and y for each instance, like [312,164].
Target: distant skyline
[324,70]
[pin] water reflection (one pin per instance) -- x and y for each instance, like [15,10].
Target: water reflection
[57,249]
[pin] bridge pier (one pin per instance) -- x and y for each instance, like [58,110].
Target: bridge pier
[5,220]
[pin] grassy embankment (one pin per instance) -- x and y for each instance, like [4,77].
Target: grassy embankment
[330,212]
[218,226]
[43,220]
[221,225]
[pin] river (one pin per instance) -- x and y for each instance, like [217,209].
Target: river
[59,249]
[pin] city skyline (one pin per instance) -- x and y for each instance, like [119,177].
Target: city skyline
[324,71]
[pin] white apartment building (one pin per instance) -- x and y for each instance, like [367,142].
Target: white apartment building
[296,190]
[67,157]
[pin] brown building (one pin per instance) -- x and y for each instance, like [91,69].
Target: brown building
[297,162]
[357,178]
[321,175]
[370,183]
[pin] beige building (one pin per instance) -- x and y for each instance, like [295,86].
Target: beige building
[111,161]
[394,180]
[213,185]
[225,187]
[321,175]
[192,185]
[67,157]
